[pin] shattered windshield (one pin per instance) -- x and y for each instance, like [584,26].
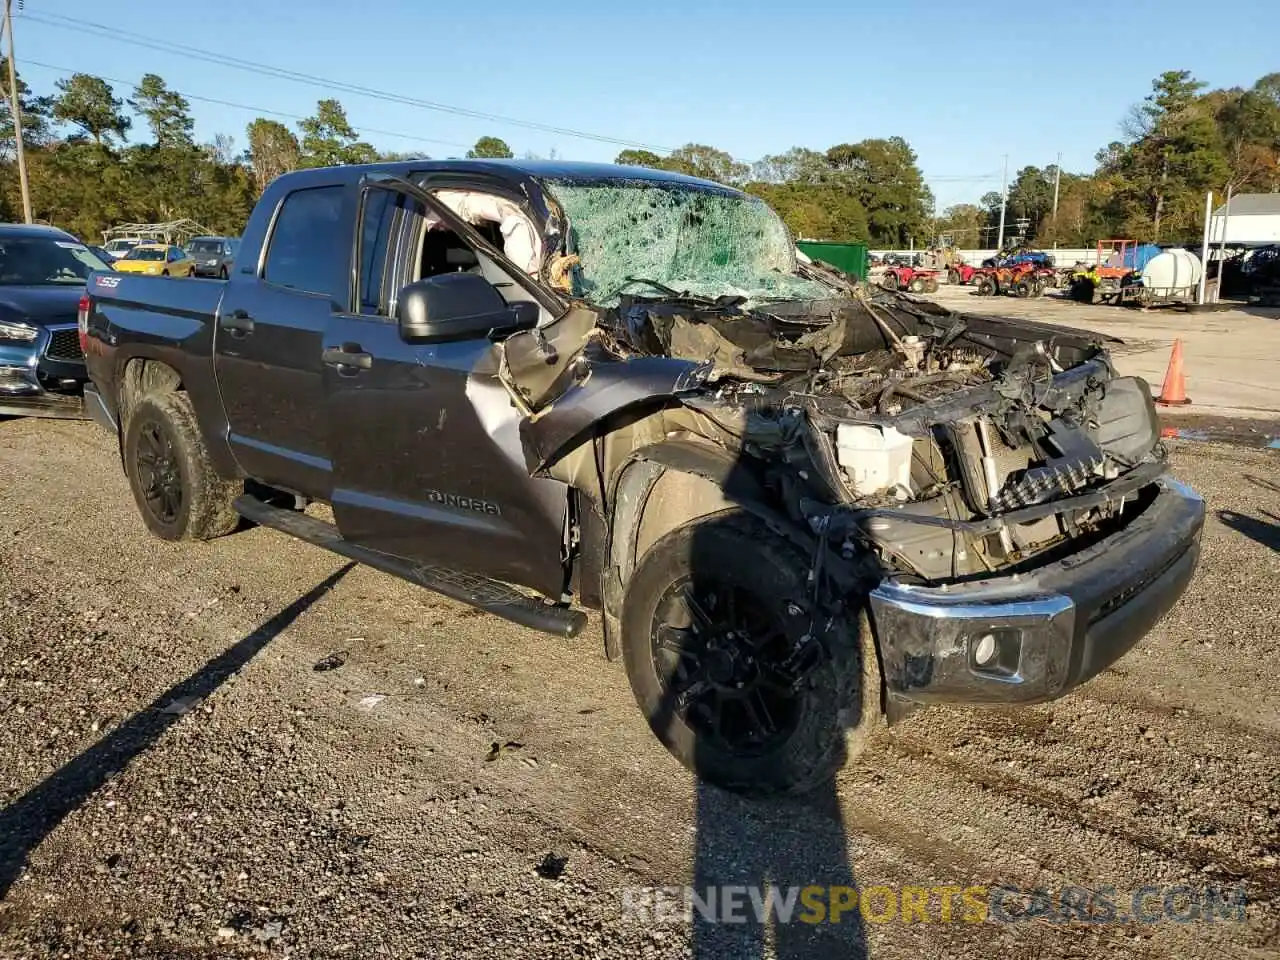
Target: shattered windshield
[649,237]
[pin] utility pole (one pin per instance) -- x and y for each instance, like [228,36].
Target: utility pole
[1004,200]
[1057,181]
[17,115]
[1204,247]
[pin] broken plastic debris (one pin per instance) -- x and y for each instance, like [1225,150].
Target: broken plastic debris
[497,749]
[332,662]
[371,701]
[180,706]
[552,867]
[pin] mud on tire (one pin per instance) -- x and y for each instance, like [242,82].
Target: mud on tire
[694,667]
[177,490]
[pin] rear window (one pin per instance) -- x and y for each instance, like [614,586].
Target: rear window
[205,246]
[145,253]
[302,251]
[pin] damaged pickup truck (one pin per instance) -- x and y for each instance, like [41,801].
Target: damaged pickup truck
[801,507]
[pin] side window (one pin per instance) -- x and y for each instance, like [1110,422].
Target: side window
[300,252]
[388,250]
[375,232]
[174,254]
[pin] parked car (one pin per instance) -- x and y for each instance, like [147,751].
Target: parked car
[157,259]
[213,255]
[118,247]
[103,254]
[801,507]
[42,276]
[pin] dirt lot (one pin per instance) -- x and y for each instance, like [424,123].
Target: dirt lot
[179,781]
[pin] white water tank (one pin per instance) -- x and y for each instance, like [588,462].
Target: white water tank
[1175,269]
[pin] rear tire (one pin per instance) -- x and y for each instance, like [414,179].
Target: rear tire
[986,287]
[164,273]
[1022,289]
[931,285]
[889,281]
[757,724]
[178,492]
[916,285]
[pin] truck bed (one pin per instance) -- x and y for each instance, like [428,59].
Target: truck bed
[153,303]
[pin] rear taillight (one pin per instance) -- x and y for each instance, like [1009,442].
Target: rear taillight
[82,320]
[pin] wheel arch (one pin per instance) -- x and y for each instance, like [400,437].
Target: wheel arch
[663,486]
[143,372]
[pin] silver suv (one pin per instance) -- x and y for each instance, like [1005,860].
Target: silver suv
[214,256]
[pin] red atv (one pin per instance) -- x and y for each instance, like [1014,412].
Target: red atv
[1020,280]
[960,273]
[912,279]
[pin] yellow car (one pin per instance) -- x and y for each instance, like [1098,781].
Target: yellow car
[157,259]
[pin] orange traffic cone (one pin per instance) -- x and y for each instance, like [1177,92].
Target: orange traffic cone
[1174,391]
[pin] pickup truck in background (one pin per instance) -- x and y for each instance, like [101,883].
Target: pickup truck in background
[801,506]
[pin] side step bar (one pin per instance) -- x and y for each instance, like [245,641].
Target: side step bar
[491,596]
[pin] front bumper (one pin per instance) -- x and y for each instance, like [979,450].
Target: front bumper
[34,384]
[1034,636]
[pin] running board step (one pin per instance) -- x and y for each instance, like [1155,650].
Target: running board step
[491,596]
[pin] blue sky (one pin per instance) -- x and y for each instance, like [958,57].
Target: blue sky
[963,87]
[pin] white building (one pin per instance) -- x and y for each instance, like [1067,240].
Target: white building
[1254,218]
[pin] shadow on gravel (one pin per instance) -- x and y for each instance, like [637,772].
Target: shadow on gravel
[26,822]
[746,695]
[783,846]
[1265,532]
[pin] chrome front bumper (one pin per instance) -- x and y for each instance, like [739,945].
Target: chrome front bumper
[25,368]
[1036,635]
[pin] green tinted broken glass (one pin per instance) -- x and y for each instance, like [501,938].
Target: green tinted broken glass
[631,234]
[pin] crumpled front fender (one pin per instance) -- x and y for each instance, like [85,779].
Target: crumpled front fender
[608,389]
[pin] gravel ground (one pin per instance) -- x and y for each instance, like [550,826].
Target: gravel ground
[179,781]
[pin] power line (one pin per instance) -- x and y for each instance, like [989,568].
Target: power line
[252,109]
[107,32]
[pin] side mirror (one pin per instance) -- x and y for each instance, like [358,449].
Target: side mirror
[452,306]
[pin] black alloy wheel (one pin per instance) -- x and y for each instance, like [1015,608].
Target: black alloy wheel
[159,473]
[721,655]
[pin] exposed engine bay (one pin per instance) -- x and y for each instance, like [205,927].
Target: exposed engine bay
[955,445]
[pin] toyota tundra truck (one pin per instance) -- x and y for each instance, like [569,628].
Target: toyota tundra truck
[801,506]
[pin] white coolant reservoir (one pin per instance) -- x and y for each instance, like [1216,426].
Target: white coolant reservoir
[875,458]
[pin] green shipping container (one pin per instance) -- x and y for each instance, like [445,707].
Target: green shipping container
[849,257]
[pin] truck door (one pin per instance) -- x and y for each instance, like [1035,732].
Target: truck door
[427,461]
[267,344]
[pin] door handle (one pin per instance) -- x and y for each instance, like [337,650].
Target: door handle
[238,321]
[348,355]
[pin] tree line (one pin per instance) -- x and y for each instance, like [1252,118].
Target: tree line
[1179,142]
[87,174]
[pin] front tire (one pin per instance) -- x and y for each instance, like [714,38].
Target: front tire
[178,492]
[737,675]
